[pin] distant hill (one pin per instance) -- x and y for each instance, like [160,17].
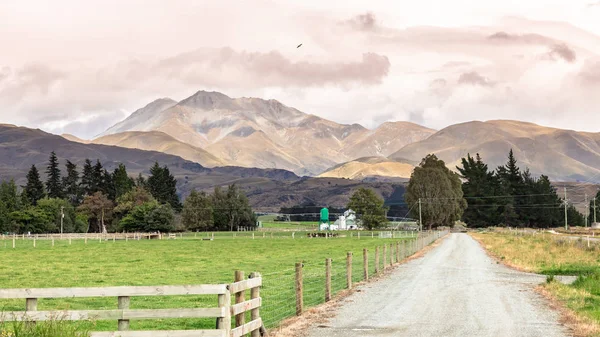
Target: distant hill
[366,167]
[162,142]
[563,155]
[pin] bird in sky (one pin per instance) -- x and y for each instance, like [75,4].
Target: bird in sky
[300,45]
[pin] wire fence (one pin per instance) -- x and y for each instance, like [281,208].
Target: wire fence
[282,294]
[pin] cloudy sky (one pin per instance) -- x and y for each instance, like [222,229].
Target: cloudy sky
[81,66]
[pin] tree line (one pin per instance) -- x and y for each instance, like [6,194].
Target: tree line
[481,197]
[97,200]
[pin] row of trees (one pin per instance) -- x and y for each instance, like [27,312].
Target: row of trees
[511,197]
[97,200]
[504,196]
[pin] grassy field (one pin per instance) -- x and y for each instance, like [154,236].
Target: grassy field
[546,254]
[187,260]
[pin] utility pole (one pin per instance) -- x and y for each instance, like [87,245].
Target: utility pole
[62,216]
[566,223]
[420,217]
[587,210]
[594,209]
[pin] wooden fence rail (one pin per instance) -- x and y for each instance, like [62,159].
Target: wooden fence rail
[223,312]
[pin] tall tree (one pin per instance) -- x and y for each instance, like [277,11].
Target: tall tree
[34,187]
[71,187]
[87,179]
[53,180]
[480,189]
[99,210]
[97,177]
[162,185]
[9,202]
[107,185]
[231,209]
[439,191]
[369,208]
[149,217]
[197,211]
[121,181]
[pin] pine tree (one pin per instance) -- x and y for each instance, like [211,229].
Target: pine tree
[513,190]
[122,182]
[480,189]
[34,186]
[107,185]
[140,181]
[87,178]
[71,187]
[53,181]
[162,186]
[97,176]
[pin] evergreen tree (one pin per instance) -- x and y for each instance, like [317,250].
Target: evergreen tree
[162,186]
[87,178]
[140,181]
[513,188]
[72,190]
[480,189]
[34,186]
[53,180]
[97,177]
[107,185]
[197,211]
[122,182]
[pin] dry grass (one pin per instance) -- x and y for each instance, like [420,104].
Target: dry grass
[578,304]
[541,253]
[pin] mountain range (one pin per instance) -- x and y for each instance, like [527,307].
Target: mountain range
[215,129]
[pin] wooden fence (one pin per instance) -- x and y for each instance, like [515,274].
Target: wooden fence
[223,312]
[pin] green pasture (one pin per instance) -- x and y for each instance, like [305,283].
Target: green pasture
[189,259]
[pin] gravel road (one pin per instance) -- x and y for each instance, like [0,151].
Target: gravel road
[454,290]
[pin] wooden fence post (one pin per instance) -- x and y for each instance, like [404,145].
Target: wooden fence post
[397,251]
[299,290]
[376,260]
[239,298]
[255,313]
[384,256]
[327,280]
[224,323]
[365,264]
[349,270]
[31,305]
[123,324]
[391,255]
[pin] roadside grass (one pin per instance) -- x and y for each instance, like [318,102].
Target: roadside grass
[546,254]
[176,262]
